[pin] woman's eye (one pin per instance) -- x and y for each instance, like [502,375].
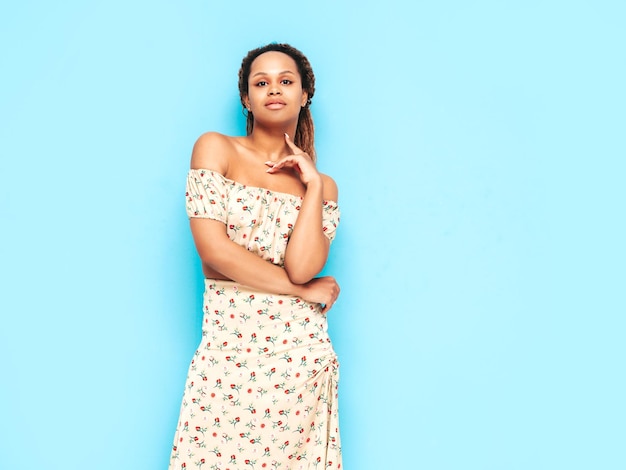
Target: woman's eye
[286,82]
[261,83]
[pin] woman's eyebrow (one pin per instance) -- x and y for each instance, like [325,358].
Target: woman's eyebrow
[280,73]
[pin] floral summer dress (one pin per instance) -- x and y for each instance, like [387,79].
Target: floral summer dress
[261,392]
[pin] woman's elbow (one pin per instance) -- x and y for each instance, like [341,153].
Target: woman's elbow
[299,274]
[299,278]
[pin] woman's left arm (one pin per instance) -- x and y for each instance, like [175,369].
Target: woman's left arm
[308,247]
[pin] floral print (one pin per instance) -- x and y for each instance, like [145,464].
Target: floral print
[256,218]
[261,391]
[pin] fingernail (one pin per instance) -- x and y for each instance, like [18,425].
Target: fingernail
[286,135]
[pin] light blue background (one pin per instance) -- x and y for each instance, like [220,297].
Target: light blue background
[479,149]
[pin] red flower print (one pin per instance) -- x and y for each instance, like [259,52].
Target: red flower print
[262,220]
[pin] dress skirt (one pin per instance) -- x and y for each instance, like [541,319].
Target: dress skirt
[261,392]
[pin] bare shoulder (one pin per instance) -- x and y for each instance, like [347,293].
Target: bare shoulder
[331,192]
[212,151]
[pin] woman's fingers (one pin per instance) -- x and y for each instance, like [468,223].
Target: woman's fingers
[299,161]
[330,303]
[323,290]
[298,157]
[291,145]
[286,162]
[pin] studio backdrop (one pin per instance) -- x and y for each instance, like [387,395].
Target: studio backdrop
[479,151]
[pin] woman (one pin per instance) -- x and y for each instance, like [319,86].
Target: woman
[262,387]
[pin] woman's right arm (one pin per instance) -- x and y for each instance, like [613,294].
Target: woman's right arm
[232,261]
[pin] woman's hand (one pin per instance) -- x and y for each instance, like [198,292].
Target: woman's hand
[299,161]
[323,290]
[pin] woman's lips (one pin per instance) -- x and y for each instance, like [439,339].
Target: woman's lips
[275,104]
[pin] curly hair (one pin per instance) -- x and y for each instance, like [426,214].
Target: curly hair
[305,131]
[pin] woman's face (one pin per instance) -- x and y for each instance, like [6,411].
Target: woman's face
[275,88]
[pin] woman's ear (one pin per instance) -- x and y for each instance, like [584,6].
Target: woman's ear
[305,98]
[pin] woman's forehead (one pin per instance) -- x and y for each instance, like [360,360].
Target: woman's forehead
[273,62]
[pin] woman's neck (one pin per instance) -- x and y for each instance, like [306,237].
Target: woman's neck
[270,144]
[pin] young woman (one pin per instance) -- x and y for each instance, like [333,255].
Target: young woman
[261,392]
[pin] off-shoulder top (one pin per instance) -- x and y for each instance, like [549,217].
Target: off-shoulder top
[256,218]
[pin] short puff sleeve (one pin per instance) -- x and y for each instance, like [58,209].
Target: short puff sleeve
[206,195]
[330,219]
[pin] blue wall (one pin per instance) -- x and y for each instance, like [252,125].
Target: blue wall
[479,148]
